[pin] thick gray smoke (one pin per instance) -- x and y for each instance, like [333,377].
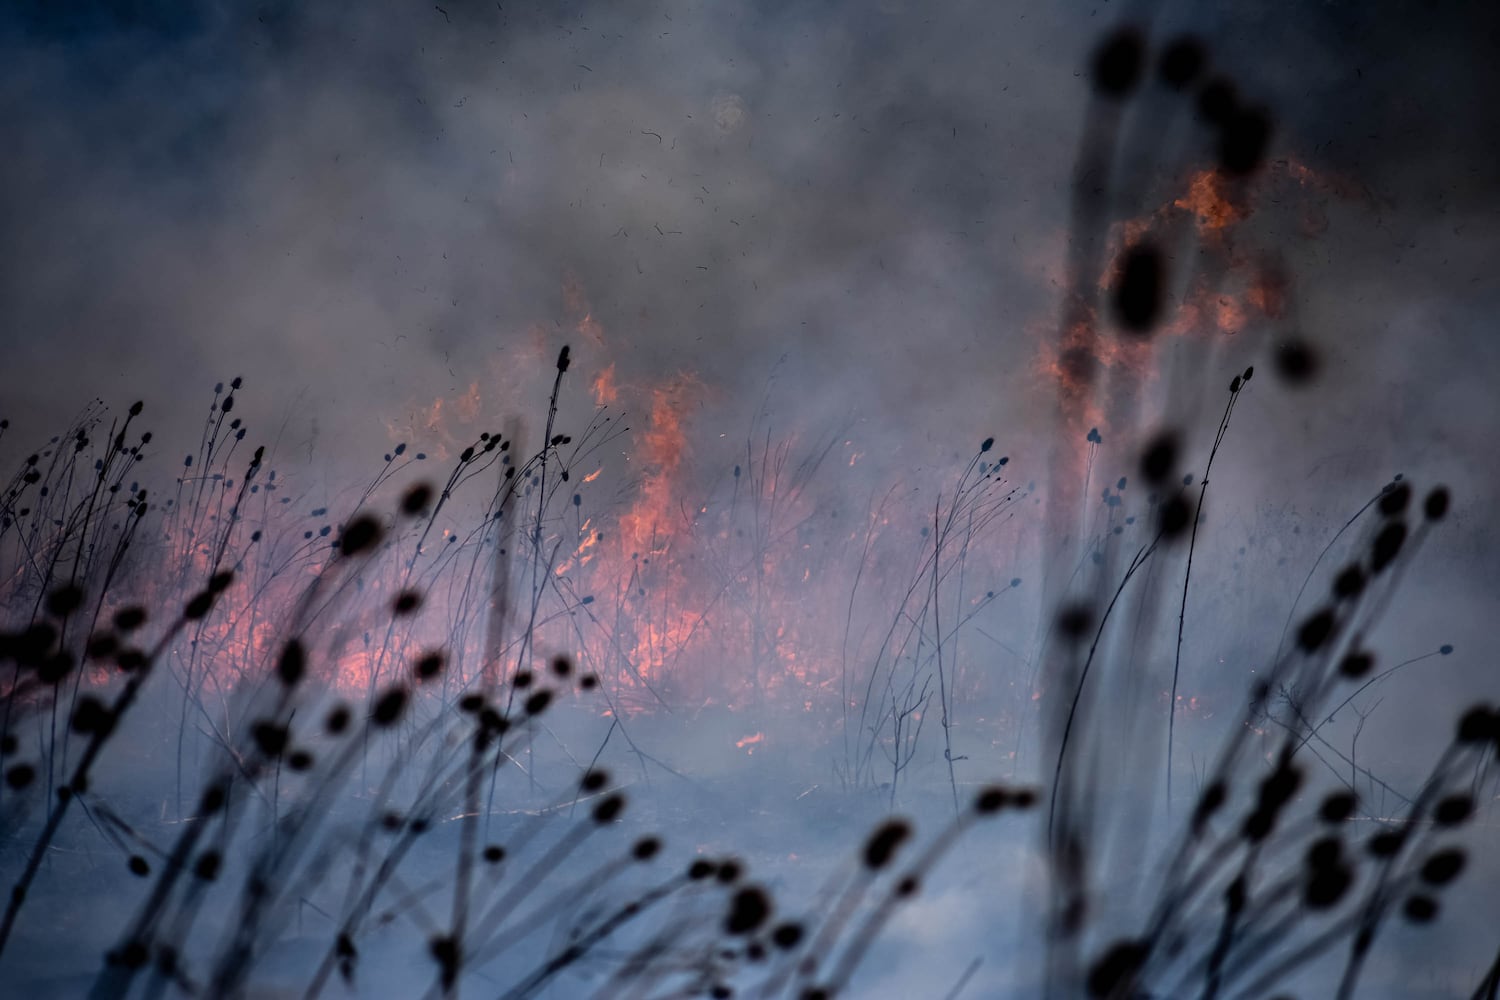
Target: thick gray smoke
[357,211]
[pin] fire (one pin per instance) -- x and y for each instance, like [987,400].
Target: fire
[663,622]
[677,592]
[747,578]
[1099,375]
[438,420]
[446,425]
[1233,294]
[1268,293]
[661,449]
[1210,203]
[606,393]
[582,555]
[1082,355]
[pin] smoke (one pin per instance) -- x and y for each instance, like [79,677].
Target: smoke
[359,211]
[844,219]
[362,210]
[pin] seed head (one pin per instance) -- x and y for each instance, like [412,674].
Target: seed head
[884,842]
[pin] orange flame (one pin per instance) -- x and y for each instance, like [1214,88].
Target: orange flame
[1253,292]
[1208,199]
[606,393]
[661,448]
[748,743]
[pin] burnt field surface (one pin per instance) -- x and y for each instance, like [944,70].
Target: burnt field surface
[865,500]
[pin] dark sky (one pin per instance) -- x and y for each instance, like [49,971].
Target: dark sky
[854,212]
